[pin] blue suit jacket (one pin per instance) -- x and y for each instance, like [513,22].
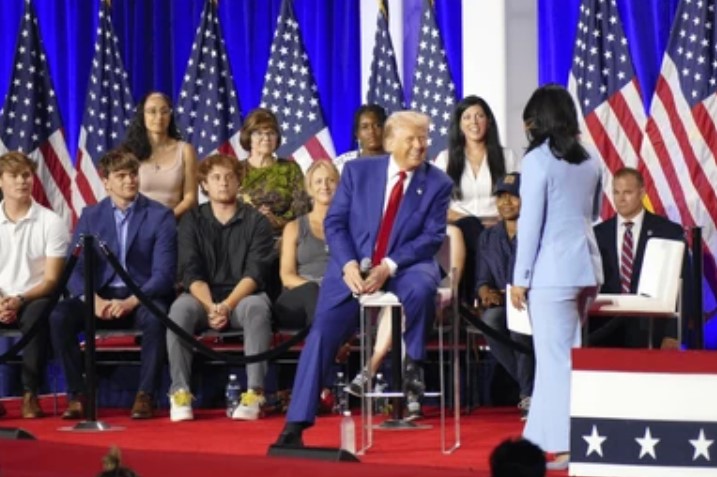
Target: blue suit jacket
[151,246]
[352,223]
[556,243]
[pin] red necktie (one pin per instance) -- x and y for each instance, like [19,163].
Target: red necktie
[384,233]
[626,259]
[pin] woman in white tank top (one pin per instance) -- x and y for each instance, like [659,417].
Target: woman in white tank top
[167,171]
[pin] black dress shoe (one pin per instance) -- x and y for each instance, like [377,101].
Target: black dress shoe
[289,438]
[413,378]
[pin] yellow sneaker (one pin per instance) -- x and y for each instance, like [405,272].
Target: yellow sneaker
[181,406]
[249,407]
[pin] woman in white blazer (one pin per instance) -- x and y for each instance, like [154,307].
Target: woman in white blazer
[558,269]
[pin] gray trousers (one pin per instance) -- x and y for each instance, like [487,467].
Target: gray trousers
[252,314]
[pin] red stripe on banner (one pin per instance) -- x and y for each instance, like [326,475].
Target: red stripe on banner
[39,193]
[622,110]
[316,149]
[696,173]
[644,361]
[83,185]
[58,172]
[611,158]
[227,149]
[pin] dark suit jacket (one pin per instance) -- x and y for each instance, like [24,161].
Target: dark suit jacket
[151,246]
[652,226]
[353,220]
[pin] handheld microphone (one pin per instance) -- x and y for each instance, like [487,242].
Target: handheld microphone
[364,268]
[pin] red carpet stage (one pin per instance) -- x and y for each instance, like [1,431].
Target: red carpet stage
[213,445]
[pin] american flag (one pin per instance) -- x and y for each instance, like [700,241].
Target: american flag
[208,105]
[384,85]
[108,109]
[433,89]
[30,121]
[291,93]
[680,148]
[617,427]
[603,83]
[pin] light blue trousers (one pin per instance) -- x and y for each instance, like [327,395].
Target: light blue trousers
[556,314]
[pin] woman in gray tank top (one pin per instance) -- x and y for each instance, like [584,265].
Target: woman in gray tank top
[304,254]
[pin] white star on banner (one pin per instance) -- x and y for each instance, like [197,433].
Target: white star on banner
[702,446]
[647,444]
[594,441]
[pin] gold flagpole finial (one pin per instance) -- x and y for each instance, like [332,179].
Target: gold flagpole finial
[108,3]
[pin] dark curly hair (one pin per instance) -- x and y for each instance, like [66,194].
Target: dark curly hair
[136,139]
[457,144]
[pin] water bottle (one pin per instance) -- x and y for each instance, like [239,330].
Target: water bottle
[233,394]
[348,433]
[342,400]
[379,402]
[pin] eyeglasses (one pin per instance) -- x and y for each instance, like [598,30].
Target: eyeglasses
[156,112]
[270,134]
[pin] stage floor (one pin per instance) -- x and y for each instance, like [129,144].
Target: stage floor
[214,445]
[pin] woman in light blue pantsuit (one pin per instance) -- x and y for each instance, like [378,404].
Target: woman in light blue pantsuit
[557,270]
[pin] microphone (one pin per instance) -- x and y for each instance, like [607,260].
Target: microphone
[364,268]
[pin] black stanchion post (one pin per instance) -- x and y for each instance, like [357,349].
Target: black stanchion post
[91,423]
[698,317]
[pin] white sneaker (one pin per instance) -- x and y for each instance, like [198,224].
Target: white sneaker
[249,407]
[181,406]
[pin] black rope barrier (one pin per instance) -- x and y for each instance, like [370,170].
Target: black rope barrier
[190,339]
[470,316]
[12,352]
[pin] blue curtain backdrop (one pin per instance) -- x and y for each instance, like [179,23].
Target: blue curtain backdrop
[156,38]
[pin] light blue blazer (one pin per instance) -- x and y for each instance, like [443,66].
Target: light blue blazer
[556,242]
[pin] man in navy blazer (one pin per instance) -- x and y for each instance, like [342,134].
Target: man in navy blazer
[408,268]
[628,192]
[143,235]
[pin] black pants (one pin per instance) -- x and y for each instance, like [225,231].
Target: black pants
[34,355]
[294,309]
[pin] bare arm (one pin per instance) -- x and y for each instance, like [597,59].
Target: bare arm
[189,192]
[290,277]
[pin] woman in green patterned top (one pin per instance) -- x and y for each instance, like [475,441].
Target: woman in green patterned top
[272,185]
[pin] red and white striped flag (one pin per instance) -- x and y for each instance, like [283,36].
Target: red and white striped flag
[30,122]
[108,109]
[290,92]
[606,91]
[680,148]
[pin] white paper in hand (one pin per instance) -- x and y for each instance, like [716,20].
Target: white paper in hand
[518,320]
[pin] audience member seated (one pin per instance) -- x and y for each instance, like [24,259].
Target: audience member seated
[274,186]
[392,209]
[142,234]
[225,248]
[167,171]
[367,132]
[474,161]
[494,270]
[304,254]
[628,192]
[517,458]
[34,242]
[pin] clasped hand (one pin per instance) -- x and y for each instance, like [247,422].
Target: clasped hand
[8,310]
[114,309]
[372,283]
[218,316]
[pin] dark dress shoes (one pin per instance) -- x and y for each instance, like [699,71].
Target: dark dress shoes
[290,437]
[142,407]
[31,406]
[75,409]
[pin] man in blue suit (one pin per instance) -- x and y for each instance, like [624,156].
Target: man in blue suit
[402,256]
[628,193]
[143,235]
